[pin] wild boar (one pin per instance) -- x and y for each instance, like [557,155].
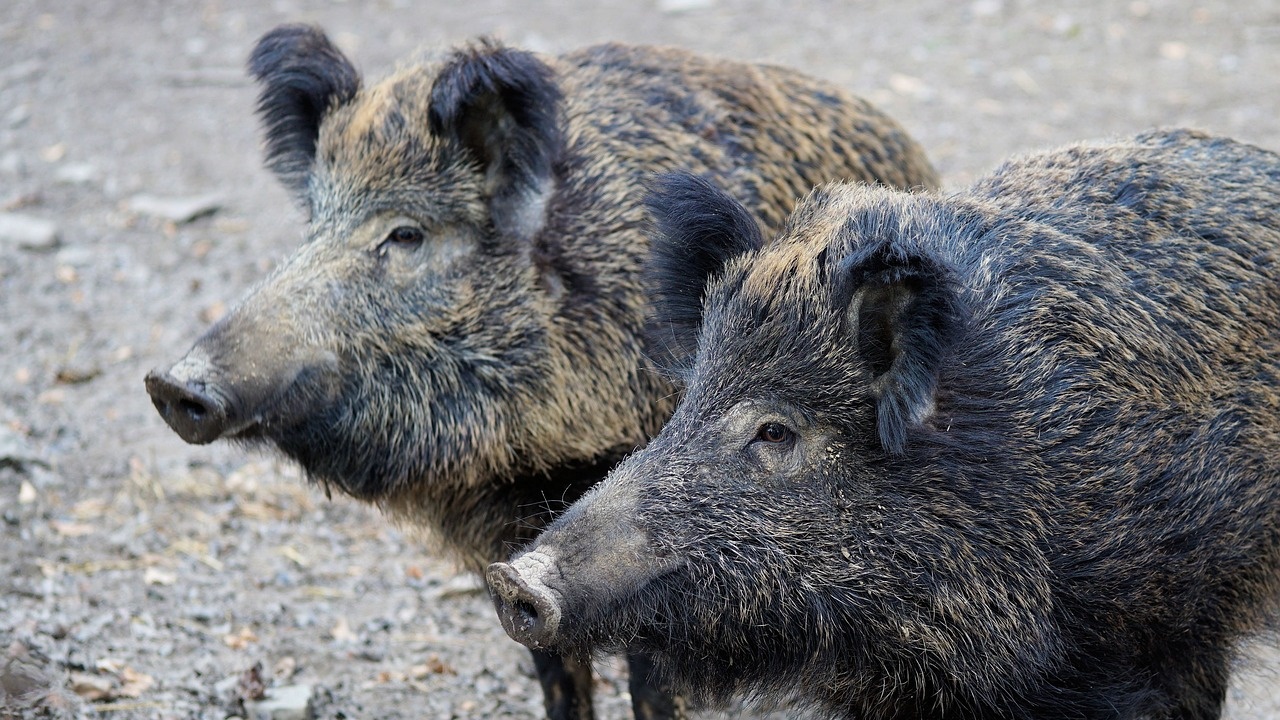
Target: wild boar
[1012,452]
[459,340]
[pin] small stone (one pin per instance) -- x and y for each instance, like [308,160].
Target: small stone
[76,256]
[986,8]
[177,210]
[54,153]
[158,576]
[287,702]
[11,164]
[19,72]
[679,6]
[28,233]
[76,174]
[18,116]
[1173,50]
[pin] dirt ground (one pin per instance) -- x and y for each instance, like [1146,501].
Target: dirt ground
[146,578]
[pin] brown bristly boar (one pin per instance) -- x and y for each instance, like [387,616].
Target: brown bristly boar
[459,339]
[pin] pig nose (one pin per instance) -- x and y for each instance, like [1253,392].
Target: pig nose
[188,407]
[530,614]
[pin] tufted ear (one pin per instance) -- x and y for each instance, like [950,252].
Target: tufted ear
[904,315]
[696,229]
[302,75]
[502,106]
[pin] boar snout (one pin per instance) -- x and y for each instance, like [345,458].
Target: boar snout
[196,407]
[197,415]
[529,610]
[215,393]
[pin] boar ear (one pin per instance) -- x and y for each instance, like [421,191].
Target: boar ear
[696,228]
[502,106]
[302,75]
[904,314]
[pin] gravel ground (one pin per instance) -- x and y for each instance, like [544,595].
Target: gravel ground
[140,577]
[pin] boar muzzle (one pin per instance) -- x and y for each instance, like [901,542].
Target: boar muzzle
[189,404]
[529,610]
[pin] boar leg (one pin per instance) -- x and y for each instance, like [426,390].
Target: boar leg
[651,698]
[566,686]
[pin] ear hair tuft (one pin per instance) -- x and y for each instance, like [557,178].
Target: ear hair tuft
[904,314]
[502,105]
[695,229]
[302,75]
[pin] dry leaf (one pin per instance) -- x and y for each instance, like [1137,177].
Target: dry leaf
[285,668]
[433,666]
[255,510]
[156,576]
[90,509]
[76,375]
[91,687]
[240,640]
[71,529]
[54,153]
[295,556]
[54,396]
[341,631]
[109,665]
[134,683]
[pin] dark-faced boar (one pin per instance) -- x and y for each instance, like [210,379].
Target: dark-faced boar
[1009,453]
[459,340]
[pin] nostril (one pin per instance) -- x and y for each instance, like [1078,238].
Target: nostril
[194,411]
[526,610]
[189,407]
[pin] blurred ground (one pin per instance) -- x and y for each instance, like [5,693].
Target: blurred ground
[145,578]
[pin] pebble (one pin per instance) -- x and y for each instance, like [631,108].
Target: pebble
[18,116]
[287,702]
[11,164]
[20,72]
[175,209]
[28,233]
[76,256]
[679,6]
[76,174]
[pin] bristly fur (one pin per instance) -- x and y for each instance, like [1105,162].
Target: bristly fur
[460,340]
[904,314]
[302,75]
[695,229]
[503,106]
[1078,515]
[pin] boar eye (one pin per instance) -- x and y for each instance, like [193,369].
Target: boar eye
[405,237]
[774,433]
